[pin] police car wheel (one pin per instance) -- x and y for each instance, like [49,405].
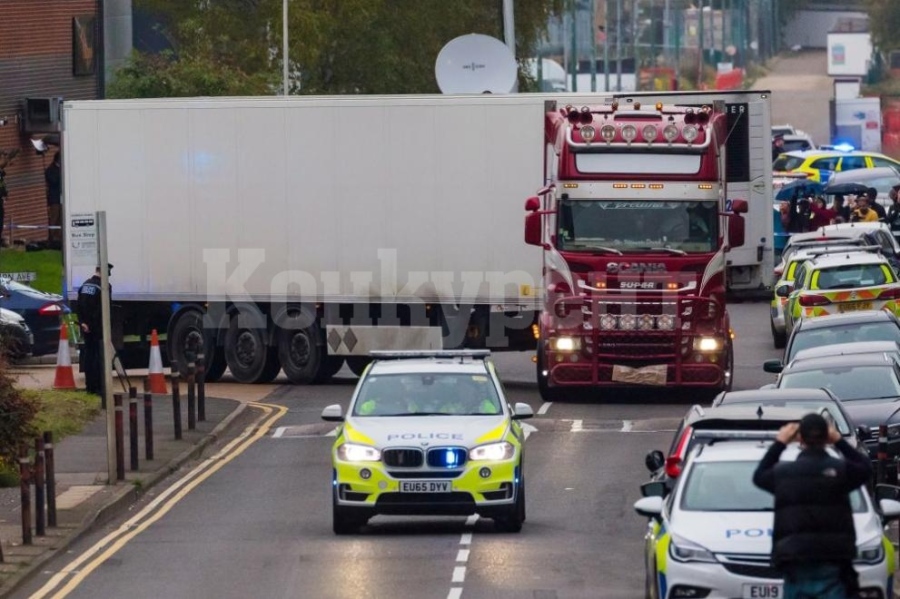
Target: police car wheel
[346,521]
[513,519]
[779,340]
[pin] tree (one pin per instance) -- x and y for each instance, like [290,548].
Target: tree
[884,23]
[336,46]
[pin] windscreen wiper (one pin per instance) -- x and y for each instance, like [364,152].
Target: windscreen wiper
[598,248]
[663,249]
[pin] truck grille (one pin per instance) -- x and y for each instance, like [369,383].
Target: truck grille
[403,458]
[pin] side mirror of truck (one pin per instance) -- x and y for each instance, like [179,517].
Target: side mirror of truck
[533,227]
[739,206]
[735,230]
[532,204]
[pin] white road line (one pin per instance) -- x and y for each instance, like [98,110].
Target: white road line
[455,593]
[459,574]
[544,407]
[279,431]
[466,539]
[332,433]
[527,429]
[463,555]
[577,426]
[471,520]
[627,426]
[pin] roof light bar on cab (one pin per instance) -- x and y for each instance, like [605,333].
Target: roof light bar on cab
[475,354]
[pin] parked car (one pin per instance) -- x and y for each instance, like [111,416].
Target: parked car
[820,165]
[43,312]
[16,339]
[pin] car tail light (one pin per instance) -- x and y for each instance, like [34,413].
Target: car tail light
[890,294]
[675,461]
[673,466]
[814,300]
[50,309]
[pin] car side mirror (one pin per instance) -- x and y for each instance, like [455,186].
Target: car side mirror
[649,507]
[655,460]
[521,411]
[654,488]
[333,413]
[784,290]
[773,366]
[890,509]
[862,432]
[891,492]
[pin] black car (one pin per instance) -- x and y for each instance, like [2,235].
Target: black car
[16,340]
[868,386]
[43,312]
[850,327]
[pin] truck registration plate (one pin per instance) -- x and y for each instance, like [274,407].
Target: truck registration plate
[763,591]
[424,486]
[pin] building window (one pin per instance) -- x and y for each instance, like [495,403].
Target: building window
[84,34]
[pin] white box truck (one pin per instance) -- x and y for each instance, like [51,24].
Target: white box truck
[300,233]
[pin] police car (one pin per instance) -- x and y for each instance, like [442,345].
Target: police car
[712,536]
[428,433]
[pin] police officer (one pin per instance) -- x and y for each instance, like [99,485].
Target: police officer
[90,320]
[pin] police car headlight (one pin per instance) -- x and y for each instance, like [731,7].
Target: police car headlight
[565,343]
[683,550]
[707,344]
[503,450]
[870,553]
[351,452]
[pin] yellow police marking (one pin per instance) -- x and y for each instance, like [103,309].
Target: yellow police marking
[159,507]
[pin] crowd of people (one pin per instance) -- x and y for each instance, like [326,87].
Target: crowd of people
[811,212]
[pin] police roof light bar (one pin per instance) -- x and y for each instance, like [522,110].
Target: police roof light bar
[475,354]
[735,435]
[818,251]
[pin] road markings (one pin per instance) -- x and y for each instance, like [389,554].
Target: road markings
[463,555]
[627,425]
[527,429]
[455,593]
[577,426]
[466,539]
[544,407]
[279,431]
[459,572]
[109,545]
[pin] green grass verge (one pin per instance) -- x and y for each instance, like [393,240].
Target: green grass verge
[46,264]
[63,413]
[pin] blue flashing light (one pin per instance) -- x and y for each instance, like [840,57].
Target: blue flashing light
[844,147]
[450,458]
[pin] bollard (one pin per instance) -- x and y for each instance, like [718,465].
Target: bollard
[882,456]
[120,437]
[50,468]
[40,497]
[148,425]
[146,384]
[25,486]
[176,407]
[201,388]
[133,428]
[191,397]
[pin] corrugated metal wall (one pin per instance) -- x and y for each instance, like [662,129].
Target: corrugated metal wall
[36,60]
[809,28]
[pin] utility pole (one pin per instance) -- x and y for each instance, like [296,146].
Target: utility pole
[593,45]
[509,34]
[606,45]
[619,45]
[284,55]
[634,41]
[106,353]
[700,48]
[574,7]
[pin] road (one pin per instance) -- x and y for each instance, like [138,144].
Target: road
[261,525]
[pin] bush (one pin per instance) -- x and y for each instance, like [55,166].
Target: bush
[17,413]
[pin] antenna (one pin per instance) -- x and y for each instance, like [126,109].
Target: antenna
[475,64]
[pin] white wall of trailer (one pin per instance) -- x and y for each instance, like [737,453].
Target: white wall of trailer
[328,188]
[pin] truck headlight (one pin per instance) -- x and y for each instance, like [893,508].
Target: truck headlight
[351,452]
[870,553]
[494,452]
[683,550]
[565,343]
[707,344]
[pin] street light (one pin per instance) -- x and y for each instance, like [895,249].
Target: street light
[284,34]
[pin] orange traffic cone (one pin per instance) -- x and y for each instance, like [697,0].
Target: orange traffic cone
[157,377]
[65,376]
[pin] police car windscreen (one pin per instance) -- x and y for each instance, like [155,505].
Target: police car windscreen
[426,393]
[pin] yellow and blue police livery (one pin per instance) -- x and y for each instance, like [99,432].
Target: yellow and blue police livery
[428,433]
[711,537]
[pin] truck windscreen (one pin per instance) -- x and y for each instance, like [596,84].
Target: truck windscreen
[634,226]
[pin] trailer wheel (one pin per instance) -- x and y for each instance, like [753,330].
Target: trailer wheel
[216,368]
[273,366]
[187,339]
[246,352]
[301,353]
[358,364]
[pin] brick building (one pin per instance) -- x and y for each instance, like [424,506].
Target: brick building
[49,49]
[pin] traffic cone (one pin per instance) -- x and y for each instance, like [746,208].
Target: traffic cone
[157,376]
[65,376]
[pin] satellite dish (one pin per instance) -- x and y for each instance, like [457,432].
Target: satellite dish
[475,64]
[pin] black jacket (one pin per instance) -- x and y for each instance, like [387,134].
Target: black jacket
[813,518]
[893,216]
[89,308]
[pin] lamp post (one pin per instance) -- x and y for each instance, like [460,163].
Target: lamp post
[284,35]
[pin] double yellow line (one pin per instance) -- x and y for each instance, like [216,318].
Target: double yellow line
[74,574]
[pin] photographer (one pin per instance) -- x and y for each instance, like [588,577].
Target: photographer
[863,213]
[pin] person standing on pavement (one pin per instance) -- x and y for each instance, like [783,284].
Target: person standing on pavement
[893,213]
[820,215]
[862,213]
[814,539]
[90,319]
[53,177]
[872,194]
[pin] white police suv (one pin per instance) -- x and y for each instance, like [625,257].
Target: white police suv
[428,433]
[712,536]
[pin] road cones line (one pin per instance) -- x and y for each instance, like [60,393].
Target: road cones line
[65,376]
[156,375]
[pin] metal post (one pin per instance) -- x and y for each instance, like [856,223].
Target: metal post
[618,45]
[103,260]
[574,40]
[678,27]
[148,425]
[593,47]
[606,45]
[634,43]
[119,436]
[40,497]
[176,407]
[284,55]
[191,397]
[25,488]
[724,3]
[201,387]
[133,427]
[50,467]
[509,32]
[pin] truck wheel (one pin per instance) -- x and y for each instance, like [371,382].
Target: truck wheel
[358,364]
[301,353]
[273,367]
[547,392]
[728,383]
[246,352]
[187,339]
[216,368]
[331,365]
